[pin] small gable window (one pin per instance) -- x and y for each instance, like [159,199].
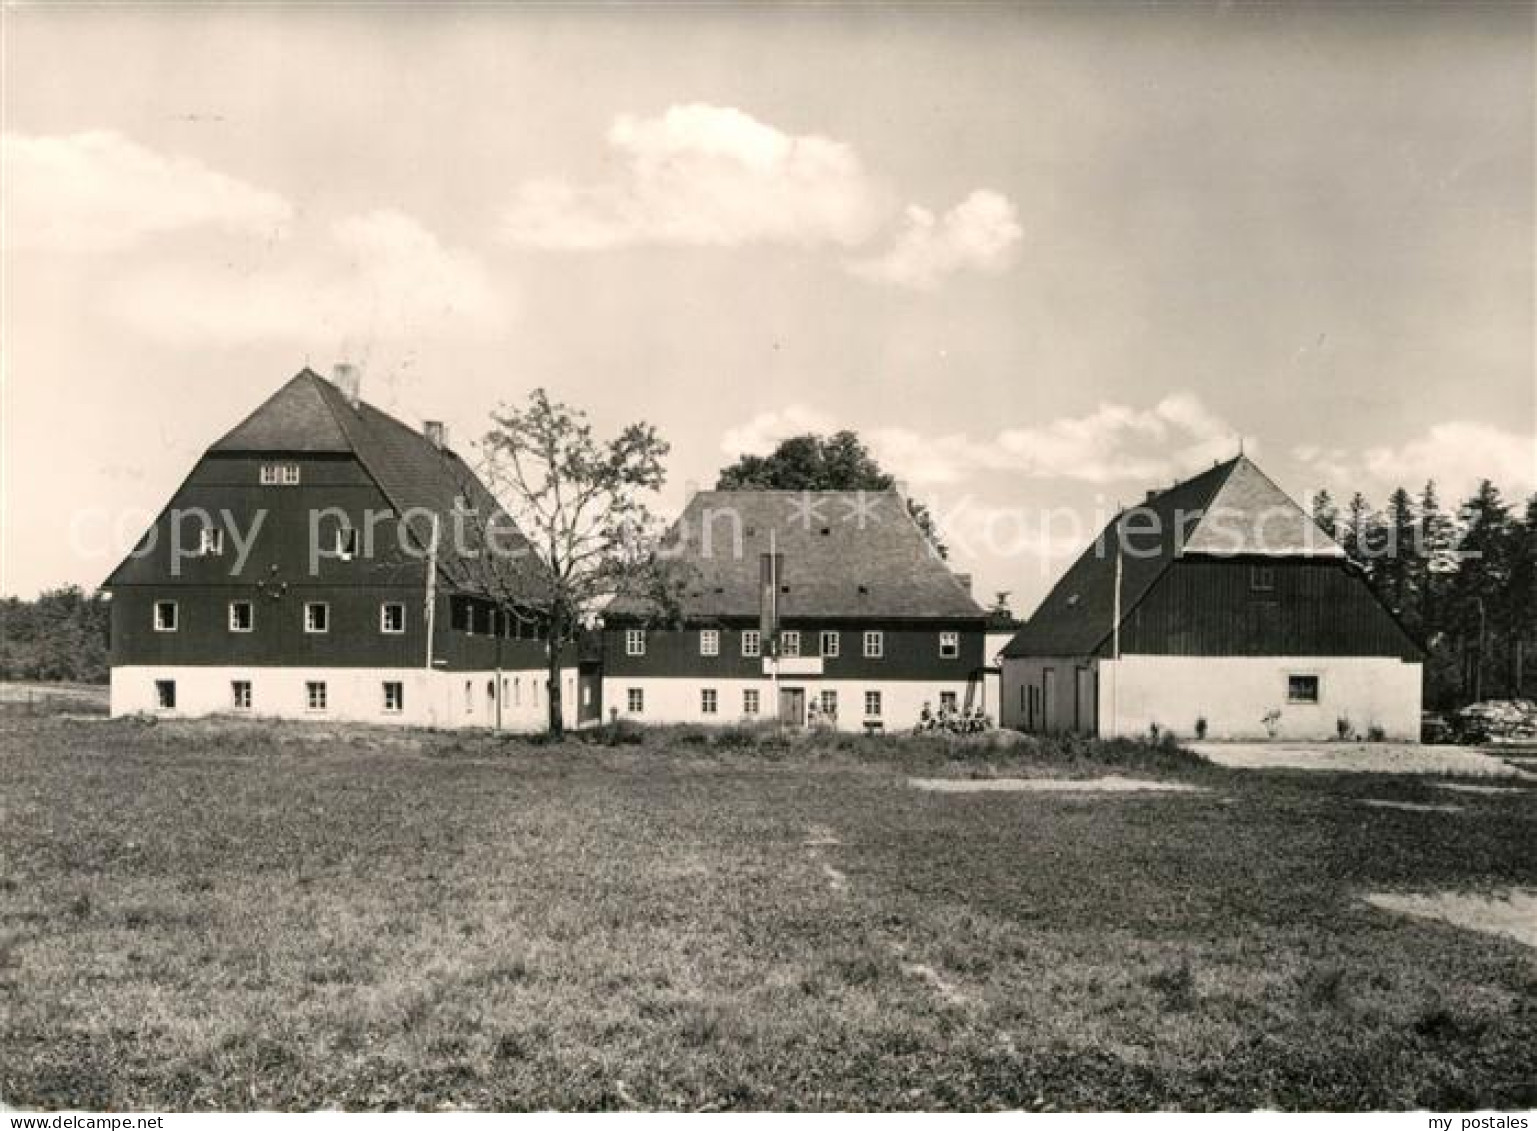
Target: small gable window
[165,616]
[284,474]
[210,542]
[242,616]
[346,543]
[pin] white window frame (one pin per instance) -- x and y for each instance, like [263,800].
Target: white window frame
[831,644]
[317,696]
[250,608]
[635,700]
[269,475]
[175,616]
[949,645]
[1318,689]
[752,643]
[161,687]
[240,694]
[949,699]
[635,642]
[827,700]
[709,701]
[289,473]
[384,617]
[396,689]
[751,702]
[309,621]
[210,542]
[790,643]
[873,704]
[346,542]
[709,642]
[875,645]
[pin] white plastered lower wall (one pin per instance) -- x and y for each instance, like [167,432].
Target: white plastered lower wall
[679,699]
[432,698]
[1234,694]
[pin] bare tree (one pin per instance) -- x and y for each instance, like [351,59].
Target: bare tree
[566,528]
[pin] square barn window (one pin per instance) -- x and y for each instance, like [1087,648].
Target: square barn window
[709,701]
[709,642]
[1302,689]
[875,645]
[752,643]
[790,643]
[165,694]
[635,700]
[290,474]
[830,645]
[634,642]
[317,616]
[240,694]
[242,617]
[949,645]
[165,616]
[394,697]
[315,695]
[392,617]
[750,701]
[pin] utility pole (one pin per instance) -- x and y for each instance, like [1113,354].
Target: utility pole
[1115,636]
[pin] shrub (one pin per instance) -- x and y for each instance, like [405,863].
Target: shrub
[1200,728]
[1342,728]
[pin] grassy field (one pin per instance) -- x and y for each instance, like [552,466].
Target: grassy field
[225,915]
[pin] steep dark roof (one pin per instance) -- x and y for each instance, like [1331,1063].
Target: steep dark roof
[309,416]
[1232,509]
[846,554]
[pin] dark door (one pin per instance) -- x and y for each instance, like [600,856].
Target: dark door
[1048,699]
[589,693]
[792,706]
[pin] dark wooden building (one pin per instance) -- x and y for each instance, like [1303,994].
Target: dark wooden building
[825,606]
[314,564]
[1216,600]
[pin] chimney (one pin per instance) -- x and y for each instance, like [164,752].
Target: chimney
[349,379]
[965,580]
[436,436]
[1151,495]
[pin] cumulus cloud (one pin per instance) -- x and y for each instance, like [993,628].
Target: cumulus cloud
[1113,444]
[706,176]
[981,233]
[1455,453]
[99,191]
[378,275]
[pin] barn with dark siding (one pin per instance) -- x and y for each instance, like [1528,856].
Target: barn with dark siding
[308,567]
[1216,605]
[825,606]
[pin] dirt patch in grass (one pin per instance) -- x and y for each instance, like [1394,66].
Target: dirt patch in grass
[1051,785]
[1409,806]
[1510,914]
[1358,757]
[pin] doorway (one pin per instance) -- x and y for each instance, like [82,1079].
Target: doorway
[792,705]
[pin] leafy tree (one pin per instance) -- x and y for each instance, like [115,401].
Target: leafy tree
[1326,514]
[567,527]
[839,462]
[62,635]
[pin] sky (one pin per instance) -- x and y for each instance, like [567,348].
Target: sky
[1041,258]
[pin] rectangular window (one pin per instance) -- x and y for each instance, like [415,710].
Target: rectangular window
[947,700]
[290,474]
[790,643]
[317,616]
[635,700]
[949,645]
[210,543]
[165,616]
[1302,689]
[165,694]
[346,543]
[315,695]
[830,704]
[750,701]
[274,473]
[1262,578]
[709,702]
[830,645]
[394,697]
[634,642]
[242,616]
[269,474]
[392,617]
[752,642]
[240,694]
[875,645]
[709,642]
[872,704]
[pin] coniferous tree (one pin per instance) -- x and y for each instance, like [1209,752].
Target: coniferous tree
[1397,571]
[1478,610]
[1325,514]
